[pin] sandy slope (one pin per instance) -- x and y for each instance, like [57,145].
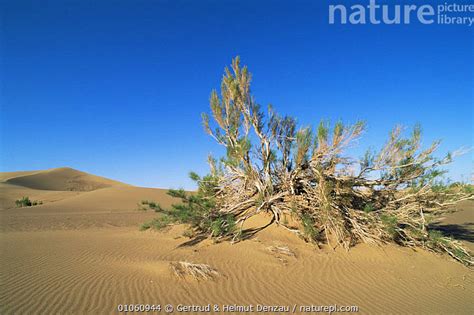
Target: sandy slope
[61,179]
[81,252]
[49,185]
[114,206]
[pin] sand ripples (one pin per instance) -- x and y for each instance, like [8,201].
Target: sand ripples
[92,271]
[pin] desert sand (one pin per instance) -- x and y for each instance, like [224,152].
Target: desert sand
[81,251]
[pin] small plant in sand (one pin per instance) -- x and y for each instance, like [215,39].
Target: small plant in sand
[198,210]
[272,166]
[145,205]
[196,271]
[26,202]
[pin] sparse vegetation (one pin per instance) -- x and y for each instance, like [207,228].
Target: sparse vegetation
[145,205]
[196,271]
[26,202]
[271,166]
[196,209]
[157,223]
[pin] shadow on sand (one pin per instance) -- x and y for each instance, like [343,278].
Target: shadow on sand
[462,232]
[246,235]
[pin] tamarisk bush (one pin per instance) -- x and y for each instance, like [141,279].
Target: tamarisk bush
[272,166]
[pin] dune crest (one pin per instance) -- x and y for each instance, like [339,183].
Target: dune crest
[61,179]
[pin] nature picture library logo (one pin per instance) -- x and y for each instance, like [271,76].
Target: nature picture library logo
[372,12]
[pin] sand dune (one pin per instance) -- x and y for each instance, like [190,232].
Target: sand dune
[60,179]
[49,185]
[83,253]
[73,209]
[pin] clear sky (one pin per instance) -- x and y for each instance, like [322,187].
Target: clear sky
[116,88]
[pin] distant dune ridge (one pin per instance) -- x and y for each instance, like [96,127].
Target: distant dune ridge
[51,185]
[60,179]
[66,191]
[81,252]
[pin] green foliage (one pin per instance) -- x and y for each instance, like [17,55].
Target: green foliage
[460,255]
[157,223]
[368,159]
[369,207]
[416,232]
[436,238]
[177,193]
[283,130]
[259,200]
[461,187]
[23,202]
[309,229]
[223,225]
[468,189]
[323,130]
[303,143]
[145,226]
[237,151]
[438,242]
[150,205]
[451,188]
[391,223]
[194,176]
[338,129]
[196,209]
[26,202]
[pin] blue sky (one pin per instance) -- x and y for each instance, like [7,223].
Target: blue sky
[116,88]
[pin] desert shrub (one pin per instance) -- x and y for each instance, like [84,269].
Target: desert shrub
[26,202]
[389,195]
[272,166]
